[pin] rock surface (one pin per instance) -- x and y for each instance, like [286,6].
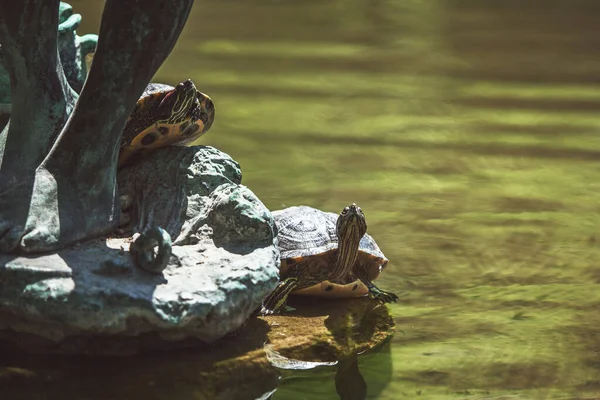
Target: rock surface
[328,330]
[224,263]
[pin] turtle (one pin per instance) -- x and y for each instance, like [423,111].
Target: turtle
[165,116]
[324,254]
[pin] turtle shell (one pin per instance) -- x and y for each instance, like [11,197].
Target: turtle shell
[306,233]
[152,125]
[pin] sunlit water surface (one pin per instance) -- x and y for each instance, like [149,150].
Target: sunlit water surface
[469,133]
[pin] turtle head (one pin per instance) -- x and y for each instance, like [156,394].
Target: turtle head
[351,226]
[351,221]
[205,110]
[178,103]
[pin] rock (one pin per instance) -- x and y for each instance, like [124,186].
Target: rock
[224,262]
[327,330]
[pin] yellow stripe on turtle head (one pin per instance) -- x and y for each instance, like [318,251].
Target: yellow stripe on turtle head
[185,93]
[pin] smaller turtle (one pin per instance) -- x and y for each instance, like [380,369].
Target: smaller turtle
[323,254]
[165,116]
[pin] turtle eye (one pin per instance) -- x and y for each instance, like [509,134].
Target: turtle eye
[345,210]
[209,105]
[360,210]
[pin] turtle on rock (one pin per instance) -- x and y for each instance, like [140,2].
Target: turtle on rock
[165,116]
[323,254]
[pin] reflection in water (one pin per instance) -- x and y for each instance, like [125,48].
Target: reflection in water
[239,367]
[354,377]
[234,368]
[279,361]
[349,383]
[358,327]
[201,374]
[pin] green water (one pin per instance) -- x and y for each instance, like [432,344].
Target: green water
[469,133]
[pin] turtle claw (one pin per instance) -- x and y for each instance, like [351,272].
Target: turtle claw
[269,308]
[265,311]
[382,295]
[387,297]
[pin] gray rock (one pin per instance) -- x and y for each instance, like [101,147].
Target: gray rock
[224,261]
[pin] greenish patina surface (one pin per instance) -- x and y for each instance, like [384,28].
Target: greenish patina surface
[143,251]
[72,49]
[52,199]
[224,262]
[82,164]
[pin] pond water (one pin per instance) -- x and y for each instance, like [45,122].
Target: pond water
[469,133]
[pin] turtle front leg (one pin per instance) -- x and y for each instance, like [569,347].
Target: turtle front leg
[276,301]
[381,295]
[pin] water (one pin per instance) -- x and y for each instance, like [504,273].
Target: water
[469,133]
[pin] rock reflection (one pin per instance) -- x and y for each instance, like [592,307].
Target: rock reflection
[328,334]
[247,365]
[231,369]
